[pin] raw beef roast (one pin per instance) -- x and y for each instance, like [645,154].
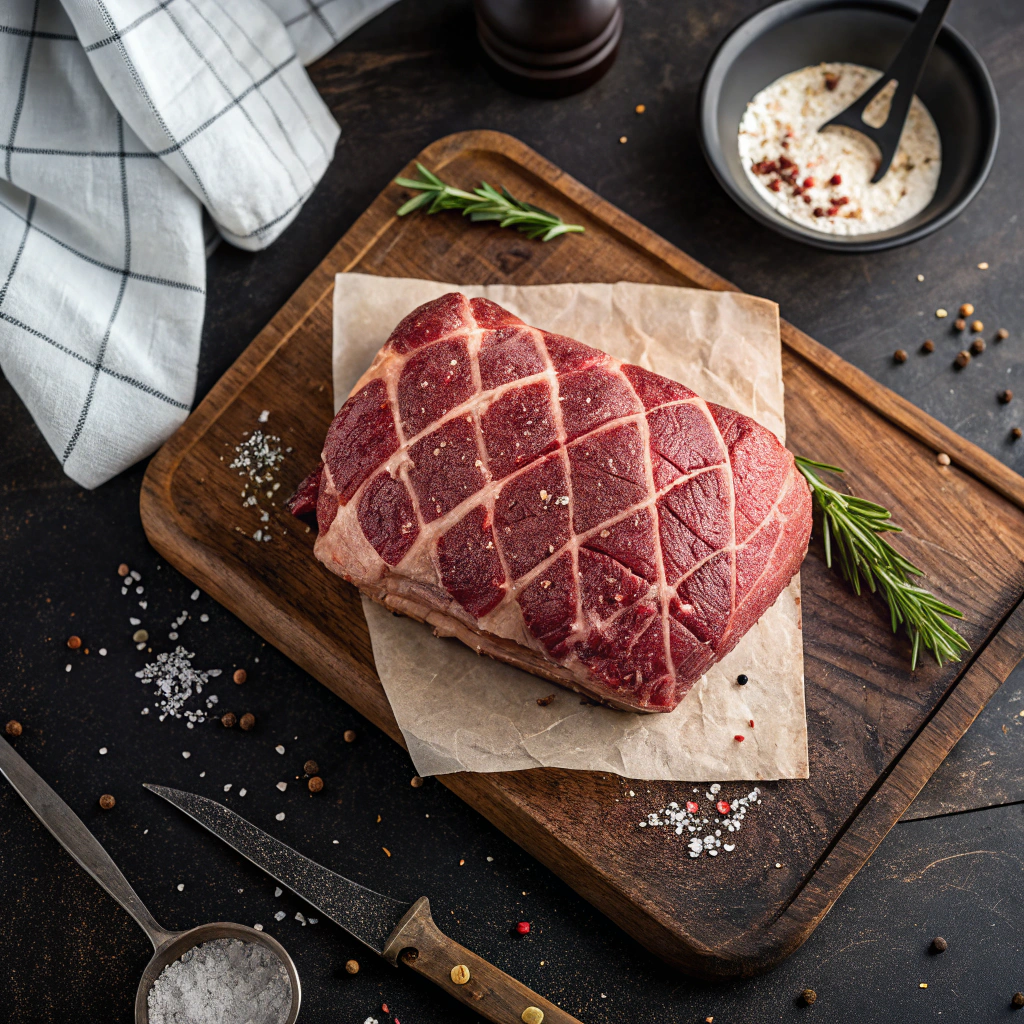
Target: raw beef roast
[580,517]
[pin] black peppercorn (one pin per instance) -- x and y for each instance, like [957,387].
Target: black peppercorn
[809,996]
[742,680]
[939,944]
[1018,1000]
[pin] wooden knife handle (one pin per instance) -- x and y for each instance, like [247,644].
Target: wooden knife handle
[418,943]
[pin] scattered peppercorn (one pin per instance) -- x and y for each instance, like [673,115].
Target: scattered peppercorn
[939,944]
[140,636]
[1018,1000]
[13,728]
[415,782]
[74,642]
[311,767]
[963,357]
[523,928]
[228,720]
[1006,396]
[692,806]
[809,996]
[622,139]
[738,739]
[349,736]
[742,680]
[315,784]
[1016,433]
[809,183]
[107,801]
[351,966]
[123,570]
[247,721]
[836,179]
[942,459]
[977,327]
[640,108]
[899,356]
[545,701]
[723,807]
[966,309]
[978,346]
[239,676]
[928,345]
[960,324]
[1002,334]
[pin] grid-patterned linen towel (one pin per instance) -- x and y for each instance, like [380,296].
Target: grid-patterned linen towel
[120,120]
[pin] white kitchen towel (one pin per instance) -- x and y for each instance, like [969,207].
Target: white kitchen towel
[120,120]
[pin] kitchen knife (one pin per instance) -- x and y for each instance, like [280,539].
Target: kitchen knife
[399,932]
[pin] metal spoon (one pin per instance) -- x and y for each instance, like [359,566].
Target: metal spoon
[906,67]
[68,830]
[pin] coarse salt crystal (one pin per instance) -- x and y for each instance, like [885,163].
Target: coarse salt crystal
[227,787]
[204,617]
[282,786]
[67,668]
[195,594]
[242,792]
[134,621]
[103,652]
[300,918]
[172,635]
[278,891]
[257,927]
[186,754]
[263,416]
[181,887]
[279,748]
[279,815]
[280,915]
[103,750]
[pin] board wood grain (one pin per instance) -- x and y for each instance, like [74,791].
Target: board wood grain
[876,730]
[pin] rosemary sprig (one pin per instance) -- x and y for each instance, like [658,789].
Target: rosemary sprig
[483,203]
[853,527]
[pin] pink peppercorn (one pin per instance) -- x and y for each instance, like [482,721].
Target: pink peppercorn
[723,807]
[836,179]
[738,739]
[523,928]
[808,183]
[692,806]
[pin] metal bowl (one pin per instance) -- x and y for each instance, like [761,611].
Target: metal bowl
[171,945]
[955,87]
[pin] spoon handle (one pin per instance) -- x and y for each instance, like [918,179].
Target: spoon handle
[67,828]
[489,992]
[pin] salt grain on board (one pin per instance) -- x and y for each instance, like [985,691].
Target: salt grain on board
[705,835]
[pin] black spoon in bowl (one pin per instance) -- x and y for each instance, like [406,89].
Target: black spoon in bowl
[906,68]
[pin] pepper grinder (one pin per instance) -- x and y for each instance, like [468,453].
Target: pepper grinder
[549,47]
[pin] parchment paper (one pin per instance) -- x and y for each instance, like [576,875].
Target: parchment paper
[462,712]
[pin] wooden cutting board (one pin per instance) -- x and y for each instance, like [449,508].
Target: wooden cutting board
[876,731]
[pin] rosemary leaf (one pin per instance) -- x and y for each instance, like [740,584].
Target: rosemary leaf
[483,204]
[852,528]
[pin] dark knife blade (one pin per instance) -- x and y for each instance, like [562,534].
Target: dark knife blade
[366,914]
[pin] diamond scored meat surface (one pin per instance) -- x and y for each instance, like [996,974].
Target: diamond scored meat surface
[555,508]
